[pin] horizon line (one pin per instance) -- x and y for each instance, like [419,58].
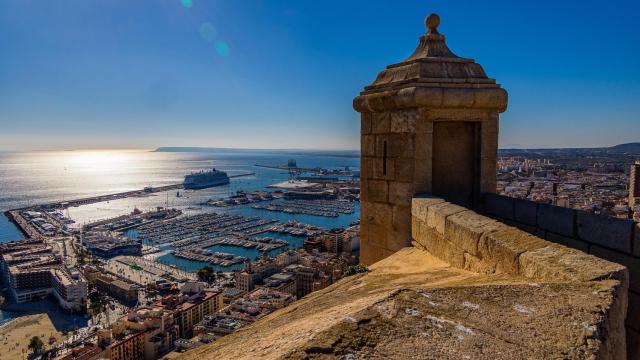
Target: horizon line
[156,149]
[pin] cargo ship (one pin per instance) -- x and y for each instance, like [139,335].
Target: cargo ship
[205,179]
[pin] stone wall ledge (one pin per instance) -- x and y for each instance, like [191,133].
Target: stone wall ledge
[481,244]
[445,95]
[484,245]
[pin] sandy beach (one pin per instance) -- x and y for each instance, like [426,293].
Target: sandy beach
[15,335]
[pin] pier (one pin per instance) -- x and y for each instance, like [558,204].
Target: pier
[132,220]
[326,208]
[116,196]
[211,257]
[241,175]
[33,230]
[297,229]
[25,226]
[242,198]
[261,244]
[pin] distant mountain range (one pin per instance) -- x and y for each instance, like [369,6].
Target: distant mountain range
[310,152]
[622,149]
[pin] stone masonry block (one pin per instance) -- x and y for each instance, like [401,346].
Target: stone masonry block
[489,131]
[472,263]
[605,230]
[464,229]
[403,121]
[526,212]
[438,246]
[378,191]
[557,219]
[502,248]
[384,169]
[368,145]
[364,234]
[451,114]
[569,242]
[632,264]
[488,172]
[401,220]
[380,123]
[401,145]
[422,175]
[415,227]
[396,240]
[366,168]
[371,254]
[400,193]
[437,214]
[489,154]
[382,141]
[377,213]
[424,126]
[380,102]
[498,205]
[404,169]
[455,97]
[526,228]
[423,146]
[365,123]
[556,262]
[421,203]
[422,233]
[364,184]
[432,69]
[372,234]
[491,98]
[636,240]
[428,96]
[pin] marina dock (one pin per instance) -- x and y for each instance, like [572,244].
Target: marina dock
[326,208]
[261,244]
[211,257]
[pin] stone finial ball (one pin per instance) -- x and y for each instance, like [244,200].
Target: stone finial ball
[432,21]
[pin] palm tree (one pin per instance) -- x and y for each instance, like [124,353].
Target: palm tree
[35,345]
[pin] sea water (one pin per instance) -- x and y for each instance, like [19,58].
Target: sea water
[42,177]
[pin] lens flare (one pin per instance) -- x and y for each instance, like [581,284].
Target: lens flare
[221,48]
[208,32]
[186,3]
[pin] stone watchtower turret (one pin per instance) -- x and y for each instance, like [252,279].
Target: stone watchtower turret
[429,125]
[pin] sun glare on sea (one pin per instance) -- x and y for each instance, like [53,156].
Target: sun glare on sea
[94,161]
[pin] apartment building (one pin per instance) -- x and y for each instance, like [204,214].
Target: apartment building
[191,306]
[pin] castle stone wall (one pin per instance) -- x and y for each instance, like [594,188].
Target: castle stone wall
[606,237]
[471,241]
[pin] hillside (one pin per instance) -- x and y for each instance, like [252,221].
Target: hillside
[621,149]
[308,152]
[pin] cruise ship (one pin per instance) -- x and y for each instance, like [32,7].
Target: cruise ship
[205,179]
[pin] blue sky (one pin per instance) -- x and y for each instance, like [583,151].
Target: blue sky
[282,74]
